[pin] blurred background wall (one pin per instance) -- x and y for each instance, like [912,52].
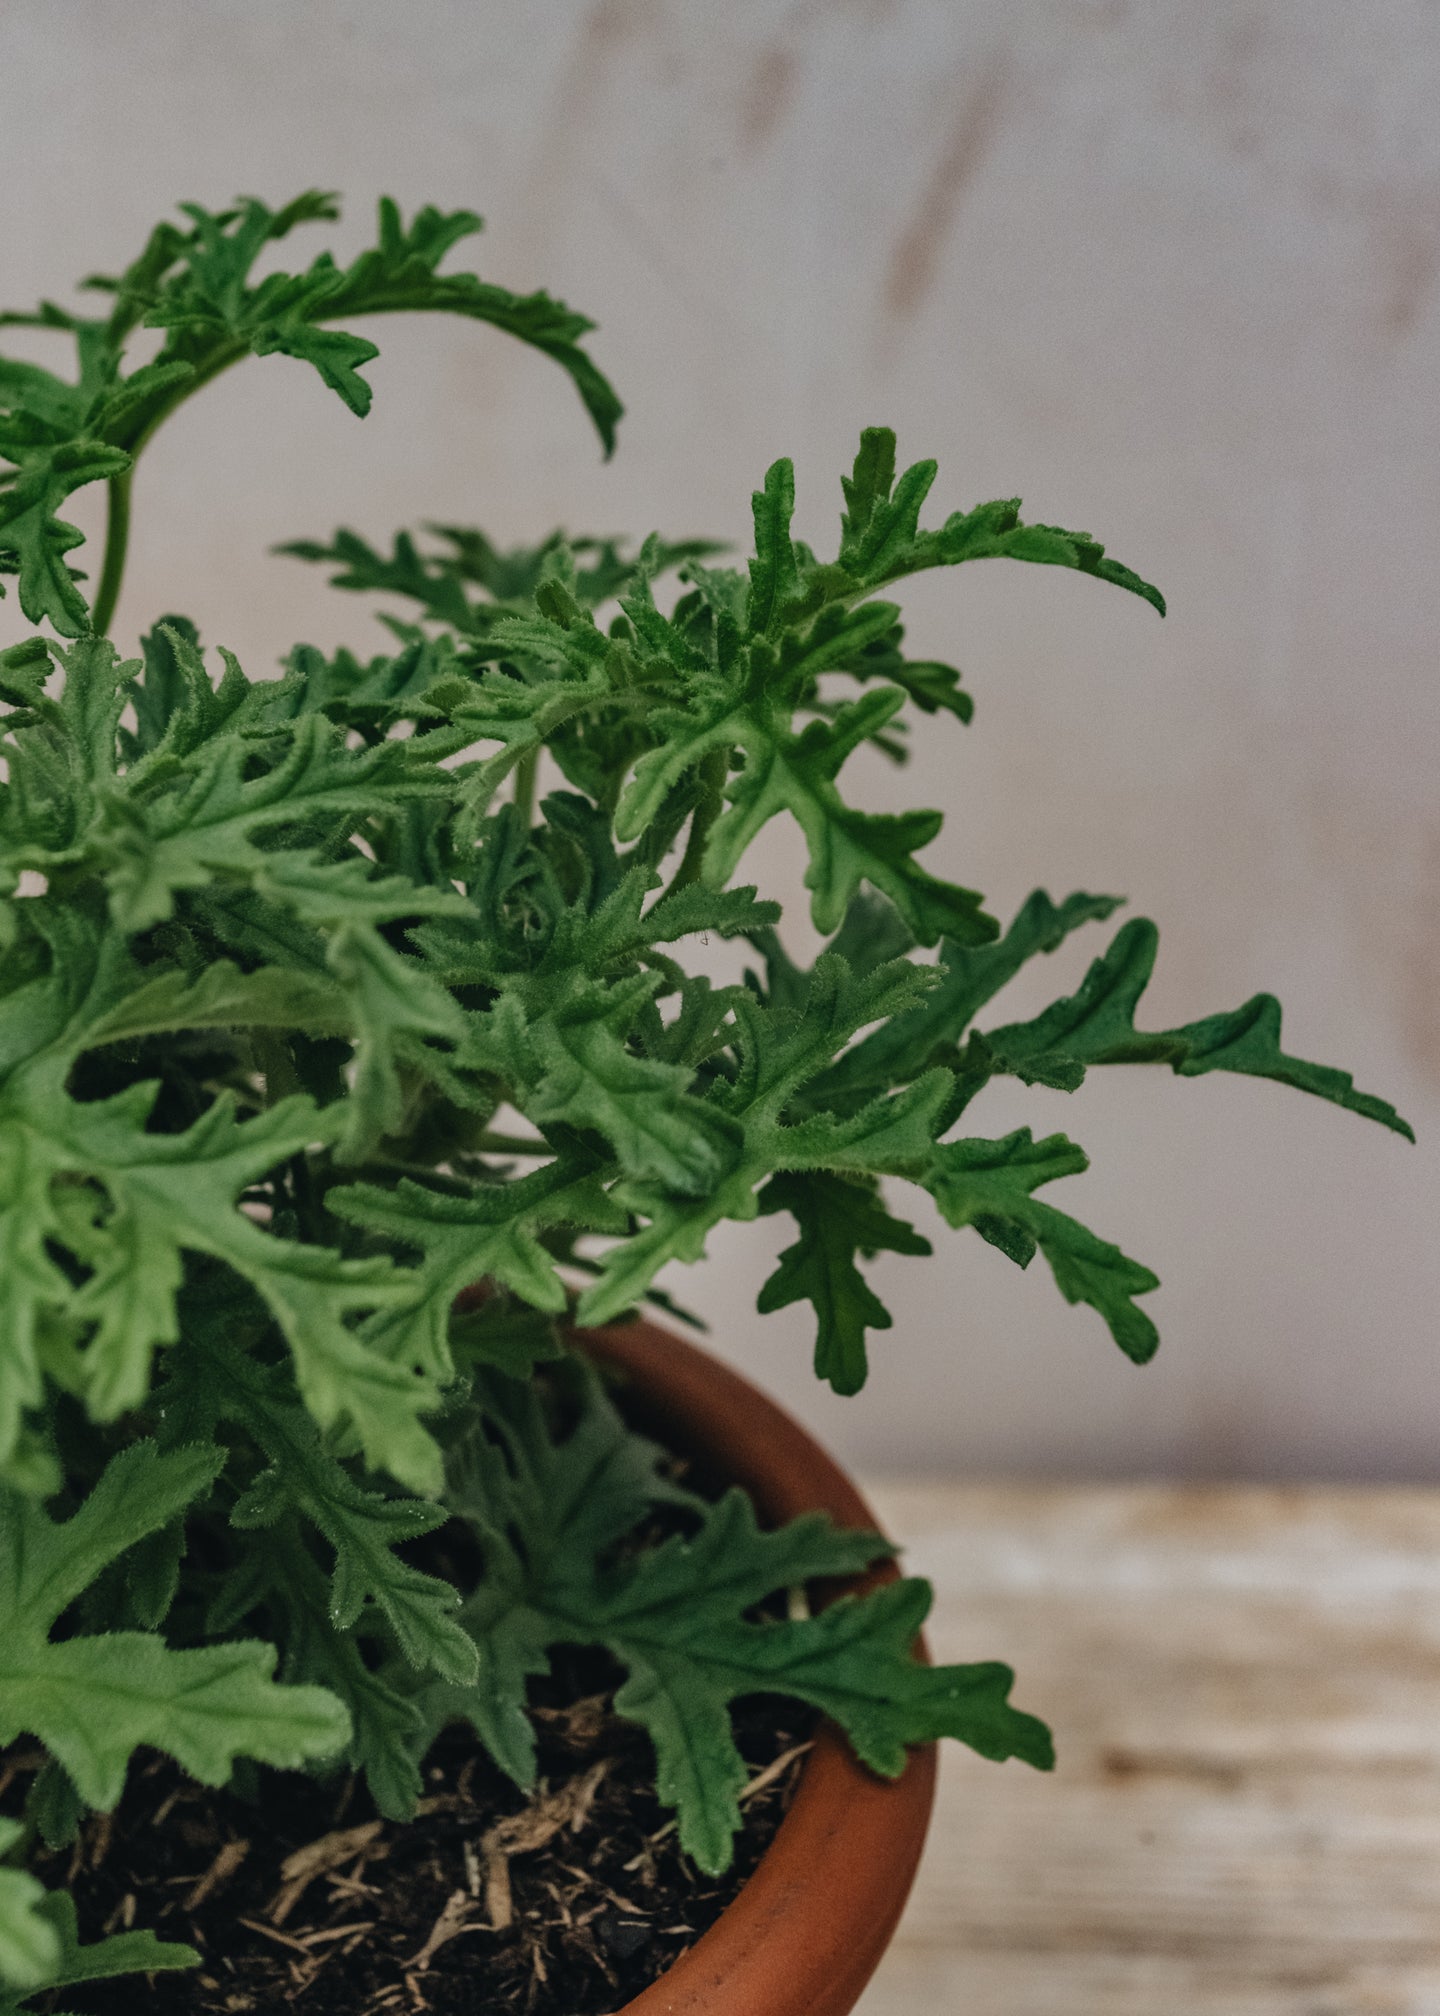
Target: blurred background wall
[1166,271]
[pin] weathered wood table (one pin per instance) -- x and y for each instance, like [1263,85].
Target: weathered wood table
[1244,1686]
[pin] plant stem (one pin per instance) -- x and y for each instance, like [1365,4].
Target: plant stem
[512,1144]
[117,539]
[713,771]
[525,786]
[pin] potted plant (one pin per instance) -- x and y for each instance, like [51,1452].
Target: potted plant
[346,1090]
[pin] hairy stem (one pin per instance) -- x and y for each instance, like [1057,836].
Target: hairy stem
[708,807]
[512,1144]
[525,771]
[117,540]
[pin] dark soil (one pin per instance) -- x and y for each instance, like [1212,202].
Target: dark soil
[565,1904]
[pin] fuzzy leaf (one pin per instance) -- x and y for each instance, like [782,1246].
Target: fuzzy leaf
[362,1527]
[837,1219]
[93,1700]
[1096,1026]
[494,1233]
[968,977]
[122,1953]
[676,1616]
[29,1947]
[168,1194]
[196,286]
[988,1184]
[280,1573]
[882,539]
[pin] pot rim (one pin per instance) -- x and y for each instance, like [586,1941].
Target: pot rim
[808,1929]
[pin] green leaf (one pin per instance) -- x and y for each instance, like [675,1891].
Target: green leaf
[29,1946]
[988,1184]
[30,496]
[837,1219]
[882,540]
[774,575]
[196,285]
[280,1573]
[362,1527]
[1096,1026]
[222,996]
[493,1232]
[969,975]
[122,1953]
[780,1051]
[209,829]
[677,1617]
[93,1700]
[162,1195]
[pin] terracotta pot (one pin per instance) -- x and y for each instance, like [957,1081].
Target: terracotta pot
[808,1929]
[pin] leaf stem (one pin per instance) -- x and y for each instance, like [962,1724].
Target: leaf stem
[512,1144]
[117,541]
[713,771]
[525,771]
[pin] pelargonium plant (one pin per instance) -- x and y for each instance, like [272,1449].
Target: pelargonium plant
[312,1017]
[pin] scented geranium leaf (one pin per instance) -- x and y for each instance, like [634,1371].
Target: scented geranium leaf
[538,1504]
[934,688]
[989,1184]
[729,913]
[196,285]
[889,1136]
[558,666]
[163,1194]
[61,760]
[45,1567]
[437,587]
[400,273]
[152,1575]
[969,975]
[223,996]
[796,774]
[801,623]
[505,1335]
[274,1576]
[679,1616]
[750,712]
[578,1072]
[415,684]
[29,1943]
[490,1231]
[165,685]
[103,1959]
[853,1662]
[93,1700]
[780,1050]
[469,581]
[774,573]
[782,1047]
[44,473]
[385,1723]
[209,828]
[67,1962]
[363,1527]
[882,540]
[837,1220]
[1096,1026]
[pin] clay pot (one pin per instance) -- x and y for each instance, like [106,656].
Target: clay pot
[808,1929]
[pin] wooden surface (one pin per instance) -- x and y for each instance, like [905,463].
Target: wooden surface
[1245,1691]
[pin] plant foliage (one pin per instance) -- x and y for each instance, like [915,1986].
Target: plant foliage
[309,1019]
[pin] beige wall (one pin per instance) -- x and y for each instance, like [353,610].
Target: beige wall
[1166,270]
